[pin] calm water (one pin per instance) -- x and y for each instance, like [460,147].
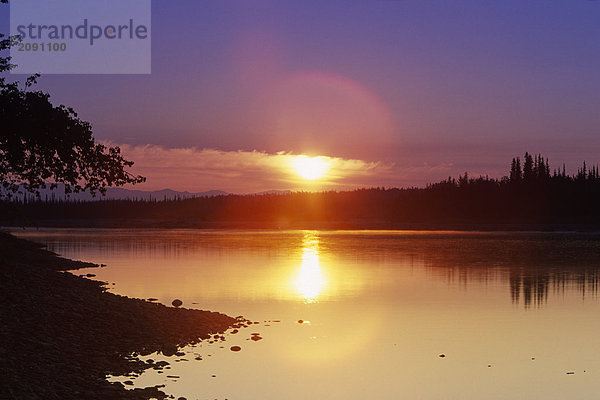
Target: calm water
[516,315]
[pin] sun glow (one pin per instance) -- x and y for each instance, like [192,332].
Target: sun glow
[310,167]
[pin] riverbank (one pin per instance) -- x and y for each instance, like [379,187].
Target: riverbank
[61,334]
[158,223]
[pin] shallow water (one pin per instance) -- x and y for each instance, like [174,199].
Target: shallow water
[514,314]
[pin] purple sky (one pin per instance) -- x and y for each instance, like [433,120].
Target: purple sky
[426,88]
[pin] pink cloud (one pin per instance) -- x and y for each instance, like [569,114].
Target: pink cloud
[197,170]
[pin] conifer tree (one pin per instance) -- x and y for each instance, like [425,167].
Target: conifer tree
[528,173]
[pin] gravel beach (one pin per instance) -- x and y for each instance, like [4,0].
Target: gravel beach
[61,334]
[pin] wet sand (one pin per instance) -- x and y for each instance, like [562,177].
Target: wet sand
[62,334]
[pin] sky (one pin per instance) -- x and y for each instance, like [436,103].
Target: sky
[386,93]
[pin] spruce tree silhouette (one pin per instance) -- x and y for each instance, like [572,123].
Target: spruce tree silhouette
[516,174]
[528,172]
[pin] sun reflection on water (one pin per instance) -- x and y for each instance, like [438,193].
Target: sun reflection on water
[310,280]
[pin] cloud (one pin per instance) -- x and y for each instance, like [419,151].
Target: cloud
[196,169]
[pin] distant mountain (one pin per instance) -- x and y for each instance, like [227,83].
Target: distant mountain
[124,194]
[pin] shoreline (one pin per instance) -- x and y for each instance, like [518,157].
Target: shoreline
[305,225]
[63,334]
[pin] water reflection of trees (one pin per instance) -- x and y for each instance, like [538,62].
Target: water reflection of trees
[534,288]
[535,265]
[532,265]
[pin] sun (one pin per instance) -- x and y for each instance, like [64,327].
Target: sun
[310,167]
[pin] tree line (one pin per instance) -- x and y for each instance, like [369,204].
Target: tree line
[529,194]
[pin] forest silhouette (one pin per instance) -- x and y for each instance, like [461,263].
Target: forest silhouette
[529,195]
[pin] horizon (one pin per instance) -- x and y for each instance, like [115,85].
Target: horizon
[540,173]
[553,170]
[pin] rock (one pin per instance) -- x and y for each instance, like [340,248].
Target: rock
[169,350]
[442,355]
[181,398]
[256,338]
[129,383]
[177,303]
[152,299]
[90,275]
[233,332]
[235,348]
[300,321]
